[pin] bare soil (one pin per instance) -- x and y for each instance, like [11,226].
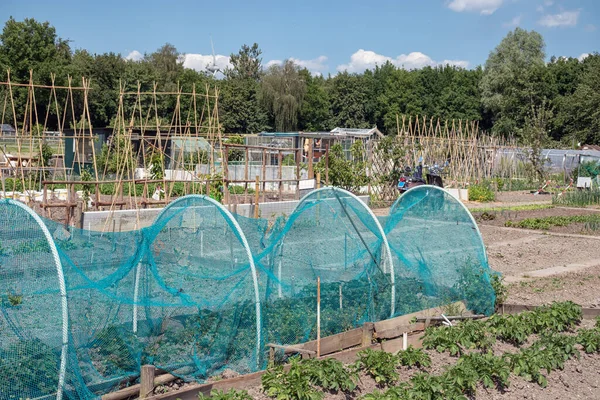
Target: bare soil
[579,379]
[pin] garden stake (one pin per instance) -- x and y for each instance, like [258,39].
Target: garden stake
[256,194]
[318,317]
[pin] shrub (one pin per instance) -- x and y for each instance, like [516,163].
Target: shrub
[481,193]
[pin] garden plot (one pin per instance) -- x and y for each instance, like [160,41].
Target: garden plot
[543,253]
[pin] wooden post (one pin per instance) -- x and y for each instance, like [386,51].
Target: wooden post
[44,198]
[225,177]
[264,173]
[327,165]
[318,317]
[318,180]
[311,173]
[280,174]
[246,177]
[367,333]
[298,160]
[256,195]
[97,196]
[147,381]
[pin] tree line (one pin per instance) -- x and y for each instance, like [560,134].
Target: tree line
[515,93]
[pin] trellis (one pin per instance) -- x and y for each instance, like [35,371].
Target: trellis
[472,154]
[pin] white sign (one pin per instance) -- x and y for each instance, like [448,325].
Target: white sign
[306,184]
[584,182]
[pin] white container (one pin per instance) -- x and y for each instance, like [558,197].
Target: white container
[23,197]
[464,194]
[455,193]
[61,194]
[38,196]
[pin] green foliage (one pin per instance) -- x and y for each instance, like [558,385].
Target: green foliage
[578,198]
[380,365]
[546,223]
[118,158]
[549,353]
[512,328]
[329,374]
[40,245]
[293,385]
[399,392]
[113,350]
[481,193]
[282,93]
[235,154]
[222,395]
[412,357]
[516,328]
[589,339]
[535,137]
[500,289]
[347,174]
[489,370]
[157,167]
[427,386]
[29,369]
[513,79]
[456,339]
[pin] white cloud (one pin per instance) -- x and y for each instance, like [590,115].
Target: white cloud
[455,63]
[367,59]
[199,62]
[583,56]
[565,18]
[590,28]
[134,56]
[516,21]
[316,66]
[484,7]
[273,62]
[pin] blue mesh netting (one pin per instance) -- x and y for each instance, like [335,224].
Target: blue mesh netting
[201,290]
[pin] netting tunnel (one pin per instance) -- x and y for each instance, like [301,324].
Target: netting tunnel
[439,253]
[334,236]
[202,290]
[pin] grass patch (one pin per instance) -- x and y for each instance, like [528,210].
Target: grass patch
[525,207]
[592,222]
[578,198]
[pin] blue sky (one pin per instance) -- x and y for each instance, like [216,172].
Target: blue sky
[325,36]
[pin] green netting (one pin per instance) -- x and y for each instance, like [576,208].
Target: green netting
[202,290]
[438,252]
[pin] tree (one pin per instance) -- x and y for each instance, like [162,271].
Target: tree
[240,110]
[535,136]
[239,104]
[584,105]
[168,64]
[31,45]
[348,96]
[513,79]
[247,64]
[314,112]
[282,93]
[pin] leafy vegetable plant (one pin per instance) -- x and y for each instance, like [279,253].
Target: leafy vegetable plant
[412,357]
[380,365]
[222,395]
